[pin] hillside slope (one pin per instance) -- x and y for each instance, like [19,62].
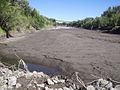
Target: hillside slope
[18,16]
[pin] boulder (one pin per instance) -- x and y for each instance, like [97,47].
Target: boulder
[117,87]
[18,85]
[12,81]
[104,83]
[50,82]
[90,87]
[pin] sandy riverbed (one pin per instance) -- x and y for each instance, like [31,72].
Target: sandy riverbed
[69,50]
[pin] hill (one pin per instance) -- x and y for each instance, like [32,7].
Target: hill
[17,16]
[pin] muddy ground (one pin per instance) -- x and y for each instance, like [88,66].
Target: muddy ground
[69,50]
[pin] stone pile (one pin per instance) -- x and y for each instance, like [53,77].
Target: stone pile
[21,80]
[102,84]
[25,80]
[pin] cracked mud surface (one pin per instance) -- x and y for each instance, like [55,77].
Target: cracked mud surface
[69,50]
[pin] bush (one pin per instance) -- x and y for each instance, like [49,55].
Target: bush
[108,22]
[115,30]
[18,15]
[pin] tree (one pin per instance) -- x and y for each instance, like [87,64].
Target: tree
[115,19]
[17,14]
[96,23]
[4,17]
[88,23]
[38,21]
[109,20]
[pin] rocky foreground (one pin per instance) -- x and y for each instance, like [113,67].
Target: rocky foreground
[14,78]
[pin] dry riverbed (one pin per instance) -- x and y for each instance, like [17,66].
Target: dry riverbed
[69,50]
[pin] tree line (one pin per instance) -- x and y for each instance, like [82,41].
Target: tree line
[109,21]
[17,15]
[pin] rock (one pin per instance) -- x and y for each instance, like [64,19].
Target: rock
[29,85]
[46,88]
[12,81]
[114,89]
[5,71]
[56,80]
[71,88]
[77,87]
[41,74]
[18,85]
[65,88]
[35,74]
[1,81]
[90,87]
[117,87]
[28,75]
[5,82]
[50,82]
[69,80]
[41,85]
[4,87]
[104,83]
[39,88]
[59,89]
[1,88]
[8,81]
[62,81]
[19,73]
[1,64]
[109,85]
[74,86]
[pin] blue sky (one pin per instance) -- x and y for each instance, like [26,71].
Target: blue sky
[72,9]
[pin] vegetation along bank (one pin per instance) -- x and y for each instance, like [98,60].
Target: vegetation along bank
[18,16]
[109,21]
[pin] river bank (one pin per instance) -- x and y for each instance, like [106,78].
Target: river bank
[15,78]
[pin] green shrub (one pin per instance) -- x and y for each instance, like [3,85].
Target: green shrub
[18,15]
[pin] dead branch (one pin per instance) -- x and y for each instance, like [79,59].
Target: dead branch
[80,80]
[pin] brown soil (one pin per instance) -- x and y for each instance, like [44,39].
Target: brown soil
[70,50]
